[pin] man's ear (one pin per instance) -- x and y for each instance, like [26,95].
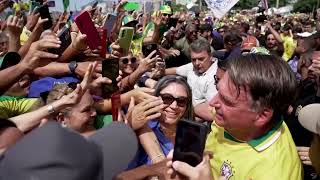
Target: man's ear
[264,117]
[60,118]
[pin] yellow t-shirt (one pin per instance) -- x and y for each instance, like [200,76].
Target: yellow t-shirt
[272,156]
[14,106]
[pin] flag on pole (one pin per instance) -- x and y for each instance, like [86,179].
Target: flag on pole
[263,4]
[220,7]
[65,4]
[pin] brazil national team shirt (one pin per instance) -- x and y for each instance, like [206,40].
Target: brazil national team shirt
[271,156]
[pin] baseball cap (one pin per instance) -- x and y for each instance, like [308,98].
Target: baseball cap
[304,34]
[53,152]
[165,9]
[9,59]
[129,19]
[309,118]
[47,83]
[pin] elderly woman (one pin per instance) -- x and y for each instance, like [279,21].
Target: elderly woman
[176,96]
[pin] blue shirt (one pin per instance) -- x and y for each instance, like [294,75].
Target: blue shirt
[166,145]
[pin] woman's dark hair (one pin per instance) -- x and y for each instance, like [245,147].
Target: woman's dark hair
[222,64]
[166,80]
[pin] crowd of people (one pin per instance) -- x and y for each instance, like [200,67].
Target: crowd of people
[252,79]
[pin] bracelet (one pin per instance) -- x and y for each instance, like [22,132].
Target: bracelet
[159,155]
[50,109]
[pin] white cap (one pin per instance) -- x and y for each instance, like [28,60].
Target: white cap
[304,34]
[309,118]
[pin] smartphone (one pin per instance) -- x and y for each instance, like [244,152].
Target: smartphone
[109,23]
[131,6]
[86,26]
[44,13]
[110,69]
[172,22]
[51,3]
[65,38]
[190,142]
[125,38]
[148,48]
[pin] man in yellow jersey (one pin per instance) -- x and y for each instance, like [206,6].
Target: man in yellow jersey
[249,139]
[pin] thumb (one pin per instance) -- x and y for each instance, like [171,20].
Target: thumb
[131,104]
[184,169]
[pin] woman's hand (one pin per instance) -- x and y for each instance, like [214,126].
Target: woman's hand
[140,114]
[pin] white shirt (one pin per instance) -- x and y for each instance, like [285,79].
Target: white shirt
[202,85]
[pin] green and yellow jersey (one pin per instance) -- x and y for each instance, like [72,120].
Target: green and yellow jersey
[271,156]
[14,106]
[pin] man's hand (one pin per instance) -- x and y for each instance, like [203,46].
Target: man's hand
[201,171]
[157,18]
[14,26]
[304,155]
[37,55]
[32,20]
[148,63]
[82,68]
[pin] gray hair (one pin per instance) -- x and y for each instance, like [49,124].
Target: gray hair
[268,79]
[200,45]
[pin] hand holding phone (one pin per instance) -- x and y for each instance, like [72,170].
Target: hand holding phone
[45,14]
[125,38]
[86,26]
[110,69]
[65,38]
[190,142]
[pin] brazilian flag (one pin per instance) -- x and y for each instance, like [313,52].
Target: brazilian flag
[65,4]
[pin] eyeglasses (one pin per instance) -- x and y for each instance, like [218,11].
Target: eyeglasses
[133,60]
[269,39]
[216,79]
[168,99]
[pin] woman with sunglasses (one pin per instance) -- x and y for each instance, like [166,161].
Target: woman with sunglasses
[157,137]
[133,68]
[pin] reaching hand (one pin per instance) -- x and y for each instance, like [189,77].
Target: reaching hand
[32,20]
[157,19]
[14,26]
[38,56]
[148,63]
[140,114]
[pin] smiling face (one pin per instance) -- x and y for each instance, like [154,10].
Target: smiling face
[128,64]
[233,111]
[174,111]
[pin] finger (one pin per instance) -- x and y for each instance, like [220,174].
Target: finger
[14,20]
[153,103]
[170,155]
[153,116]
[20,23]
[155,109]
[307,162]
[151,54]
[132,103]
[184,169]
[48,45]
[302,148]
[78,90]
[147,90]
[48,55]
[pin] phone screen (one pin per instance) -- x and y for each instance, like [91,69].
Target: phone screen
[44,13]
[148,48]
[190,142]
[65,38]
[86,26]
[108,24]
[110,69]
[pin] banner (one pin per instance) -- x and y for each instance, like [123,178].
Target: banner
[220,7]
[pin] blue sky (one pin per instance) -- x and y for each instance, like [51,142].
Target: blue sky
[73,4]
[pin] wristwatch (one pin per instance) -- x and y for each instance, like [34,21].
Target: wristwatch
[72,66]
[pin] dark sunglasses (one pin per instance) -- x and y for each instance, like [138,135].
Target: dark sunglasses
[133,60]
[216,79]
[169,99]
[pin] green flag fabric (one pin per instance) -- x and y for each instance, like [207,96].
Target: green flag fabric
[65,4]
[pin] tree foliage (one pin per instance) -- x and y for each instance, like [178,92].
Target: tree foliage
[305,6]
